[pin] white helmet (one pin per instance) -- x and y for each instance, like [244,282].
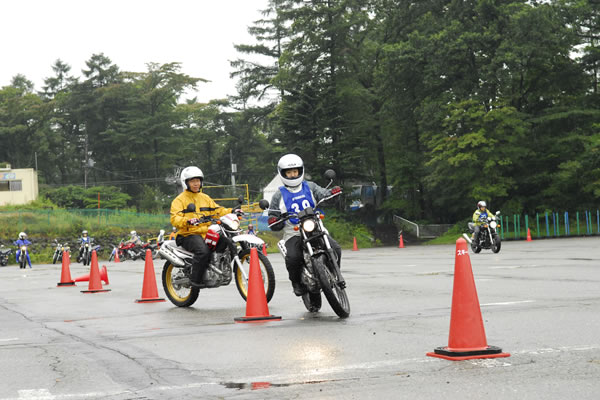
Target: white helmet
[22,235]
[189,173]
[481,204]
[290,161]
[133,233]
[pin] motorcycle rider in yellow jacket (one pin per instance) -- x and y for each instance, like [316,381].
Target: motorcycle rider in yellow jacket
[479,218]
[191,230]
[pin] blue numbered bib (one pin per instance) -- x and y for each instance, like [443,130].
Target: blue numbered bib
[296,202]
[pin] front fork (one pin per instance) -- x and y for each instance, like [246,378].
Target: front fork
[332,257]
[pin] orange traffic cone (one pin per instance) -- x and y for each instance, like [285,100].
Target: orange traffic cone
[467,335]
[528,235]
[354,246]
[95,285]
[256,303]
[264,249]
[103,276]
[117,256]
[401,244]
[65,276]
[149,290]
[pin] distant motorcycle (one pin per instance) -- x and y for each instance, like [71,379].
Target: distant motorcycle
[5,252]
[59,249]
[127,251]
[488,237]
[22,256]
[85,252]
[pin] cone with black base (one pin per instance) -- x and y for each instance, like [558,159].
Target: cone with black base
[95,285]
[149,290]
[65,275]
[257,309]
[86,277]
[467,335]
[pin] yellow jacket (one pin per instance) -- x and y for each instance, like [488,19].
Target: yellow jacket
[205,206]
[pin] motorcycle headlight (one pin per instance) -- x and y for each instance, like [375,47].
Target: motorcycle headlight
[233,225]
[493,224]
[308,225]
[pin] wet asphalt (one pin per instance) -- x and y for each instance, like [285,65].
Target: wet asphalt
[540,302]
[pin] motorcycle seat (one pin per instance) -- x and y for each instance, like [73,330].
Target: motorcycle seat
[172,244]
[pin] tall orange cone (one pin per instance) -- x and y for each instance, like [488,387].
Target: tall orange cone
[528,235]
[94,285]
[149,290]
[256,302]
[86,277]
[264,249]
[65,276]
[354,246]
[401,244]
[467,335]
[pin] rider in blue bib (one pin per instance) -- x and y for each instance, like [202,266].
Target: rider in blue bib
[295,195]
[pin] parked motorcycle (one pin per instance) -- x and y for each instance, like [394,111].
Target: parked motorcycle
[321,271]
[5,252]
[488,238]
[58,251]
[229,258]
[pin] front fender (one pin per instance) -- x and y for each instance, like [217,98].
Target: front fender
[252,239]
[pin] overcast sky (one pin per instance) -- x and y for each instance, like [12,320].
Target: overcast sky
[197,33]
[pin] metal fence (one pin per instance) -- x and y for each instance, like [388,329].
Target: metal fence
[421,231]
[551,224]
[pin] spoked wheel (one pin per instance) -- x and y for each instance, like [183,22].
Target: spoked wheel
[335,294]
[312,301]
[55,258]
[112,255]
[242,274]
[177,286]
[497,243]
[22,260]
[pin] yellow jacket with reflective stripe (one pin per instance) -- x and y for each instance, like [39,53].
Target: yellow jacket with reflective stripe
[205,206]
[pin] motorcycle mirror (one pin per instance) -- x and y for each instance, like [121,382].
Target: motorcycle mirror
[263,204]
[330,174]
[191,208]
[497,212]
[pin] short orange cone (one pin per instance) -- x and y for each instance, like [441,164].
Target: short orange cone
[149,290]
[264,249]
[103,276]
[401,244]
[467,335]
[117,256]
[528,235]
[354,246]
[65,276]
[95,285]
[256,303]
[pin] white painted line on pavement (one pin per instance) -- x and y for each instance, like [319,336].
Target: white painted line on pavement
[9,339]
[508,303]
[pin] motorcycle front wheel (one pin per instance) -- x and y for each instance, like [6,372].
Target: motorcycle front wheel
[55,258]
[475,247]
[22,260]
[242,275]
[177,286]
[335,294]
[496,244]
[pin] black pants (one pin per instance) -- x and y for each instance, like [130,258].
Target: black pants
[294,260]
[196,245]
[476,231]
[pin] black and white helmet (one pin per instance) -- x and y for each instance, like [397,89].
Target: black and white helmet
[290,161]
[189,173]
[481,204]
[22,235]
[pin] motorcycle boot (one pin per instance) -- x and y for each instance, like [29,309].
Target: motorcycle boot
[298,288]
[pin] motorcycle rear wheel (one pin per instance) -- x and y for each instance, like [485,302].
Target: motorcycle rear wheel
[312,301]
[266,270]
[181,294]
[336,295]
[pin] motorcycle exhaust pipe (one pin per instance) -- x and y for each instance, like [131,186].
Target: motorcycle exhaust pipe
[167,254]
[467,238]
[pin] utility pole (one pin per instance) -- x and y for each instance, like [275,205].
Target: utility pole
[233,171]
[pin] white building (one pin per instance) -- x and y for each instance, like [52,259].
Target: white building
[18,186]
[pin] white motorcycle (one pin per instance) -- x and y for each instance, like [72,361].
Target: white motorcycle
[230,258]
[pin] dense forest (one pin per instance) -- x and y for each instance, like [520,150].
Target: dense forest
[445,101]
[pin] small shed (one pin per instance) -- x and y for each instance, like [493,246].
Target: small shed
[272,187]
